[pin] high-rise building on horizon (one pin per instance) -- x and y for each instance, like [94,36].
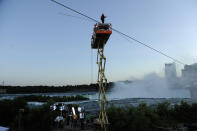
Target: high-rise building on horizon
[170,70]
[171,74]
[189,77]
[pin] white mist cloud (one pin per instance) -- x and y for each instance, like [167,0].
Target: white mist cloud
[151,86]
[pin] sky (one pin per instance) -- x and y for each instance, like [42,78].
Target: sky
[39,46]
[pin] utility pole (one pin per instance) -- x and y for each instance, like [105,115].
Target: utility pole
[20,111]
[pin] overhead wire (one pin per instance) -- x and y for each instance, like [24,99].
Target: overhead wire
[81,18]
[148,46]
[123,34]
[74,10]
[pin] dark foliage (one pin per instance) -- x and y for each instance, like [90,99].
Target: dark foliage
[144,118]
[140,118]
[9,109]
[31,119]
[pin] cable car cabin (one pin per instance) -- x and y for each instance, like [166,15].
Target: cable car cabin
[101,35]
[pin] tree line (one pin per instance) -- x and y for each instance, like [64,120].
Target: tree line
[53,89]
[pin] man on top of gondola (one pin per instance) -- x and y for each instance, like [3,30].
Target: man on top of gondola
[103,18]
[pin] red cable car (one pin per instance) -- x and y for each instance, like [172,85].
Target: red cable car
[101,35]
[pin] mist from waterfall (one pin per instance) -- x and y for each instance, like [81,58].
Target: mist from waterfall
[151,86]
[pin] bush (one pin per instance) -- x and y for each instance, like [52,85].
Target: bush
[144,118]
[141,118]
[9,109]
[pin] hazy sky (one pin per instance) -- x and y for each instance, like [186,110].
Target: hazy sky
[38,46]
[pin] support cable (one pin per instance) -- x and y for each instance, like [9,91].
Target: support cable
[81,18]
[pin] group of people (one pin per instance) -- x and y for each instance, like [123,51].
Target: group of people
[73,117]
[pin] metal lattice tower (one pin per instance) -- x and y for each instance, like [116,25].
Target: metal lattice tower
[102,81]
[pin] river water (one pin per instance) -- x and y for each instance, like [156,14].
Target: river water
[90,95]
[92,105]
[93,96]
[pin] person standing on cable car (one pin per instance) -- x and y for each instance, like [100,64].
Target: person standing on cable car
[103,18]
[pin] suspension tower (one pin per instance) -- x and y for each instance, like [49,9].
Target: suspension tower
[101,34]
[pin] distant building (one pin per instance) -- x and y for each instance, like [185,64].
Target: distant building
[189,76]
[190,70]
[170,70]
[170,74]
